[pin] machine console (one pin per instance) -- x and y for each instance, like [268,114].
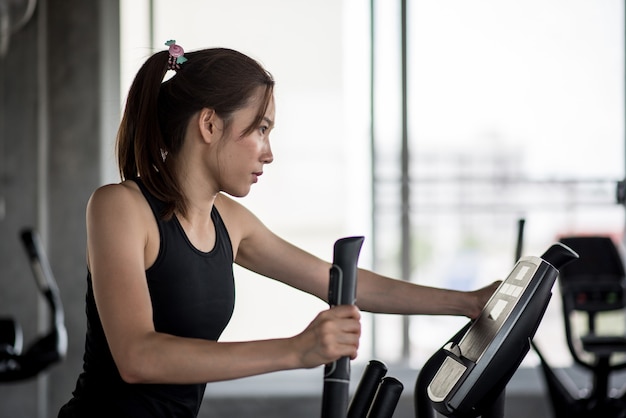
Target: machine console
[475,371]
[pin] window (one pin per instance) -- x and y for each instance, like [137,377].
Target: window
[515,111]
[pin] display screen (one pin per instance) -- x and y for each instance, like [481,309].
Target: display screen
[497,310]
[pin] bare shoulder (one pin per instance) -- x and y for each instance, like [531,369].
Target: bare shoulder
[120,195]
[120,223]
[117,202]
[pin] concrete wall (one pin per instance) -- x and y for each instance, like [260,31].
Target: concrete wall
[18,135]
[51,111]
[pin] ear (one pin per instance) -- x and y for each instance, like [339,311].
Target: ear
[209,124]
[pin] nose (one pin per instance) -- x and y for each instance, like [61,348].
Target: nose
[267,156]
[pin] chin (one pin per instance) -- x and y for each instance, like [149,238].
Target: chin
[238,193]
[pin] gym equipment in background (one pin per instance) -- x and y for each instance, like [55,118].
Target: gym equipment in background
[376,395]
[467,377]
[48,349]
[591,289]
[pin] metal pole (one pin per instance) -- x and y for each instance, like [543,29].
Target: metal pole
[373,184]
[405,187]
[623,203]
[43,203]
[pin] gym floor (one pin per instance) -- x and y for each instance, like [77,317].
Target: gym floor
[298,394]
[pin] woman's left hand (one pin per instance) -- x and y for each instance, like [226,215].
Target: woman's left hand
[480,298]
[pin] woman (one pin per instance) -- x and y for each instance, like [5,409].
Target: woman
[161,245]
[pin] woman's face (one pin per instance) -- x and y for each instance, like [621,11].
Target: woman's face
[241,158]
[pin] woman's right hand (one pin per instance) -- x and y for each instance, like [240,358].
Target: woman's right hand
[333,334]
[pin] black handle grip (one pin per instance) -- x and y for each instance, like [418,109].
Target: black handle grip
[341,291]
[37,258]
[520,238]
[343,273]
[559,255]
[366,391]
[386,399]
[40,266]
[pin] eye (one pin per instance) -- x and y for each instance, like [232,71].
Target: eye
[263,129]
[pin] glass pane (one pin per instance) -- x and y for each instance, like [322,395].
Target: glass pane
[516,112]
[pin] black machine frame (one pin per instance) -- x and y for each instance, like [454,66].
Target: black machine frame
[46,349]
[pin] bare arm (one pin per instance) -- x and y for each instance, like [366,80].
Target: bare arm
[120,234]
[376,293]
[267,254]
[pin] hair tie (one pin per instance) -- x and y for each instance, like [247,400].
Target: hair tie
[176,55]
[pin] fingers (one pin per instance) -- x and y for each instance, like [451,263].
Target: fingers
[345,311]
[344,331]
[333,334]
[481,297]
[340,330]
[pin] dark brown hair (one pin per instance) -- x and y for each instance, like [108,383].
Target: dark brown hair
[157,112]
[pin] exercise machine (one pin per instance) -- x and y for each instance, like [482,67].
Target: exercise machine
[17,364]
[592,289]
[376,395]
[467,377]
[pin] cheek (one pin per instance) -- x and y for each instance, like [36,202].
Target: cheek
[238,154]
[231,160]
[249,147]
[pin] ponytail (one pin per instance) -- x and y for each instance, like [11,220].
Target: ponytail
[140,144]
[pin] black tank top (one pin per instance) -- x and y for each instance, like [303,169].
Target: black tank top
[192,295]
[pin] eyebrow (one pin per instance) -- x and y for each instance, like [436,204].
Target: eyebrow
[268,121]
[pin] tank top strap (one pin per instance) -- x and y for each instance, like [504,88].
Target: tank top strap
[156,205]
